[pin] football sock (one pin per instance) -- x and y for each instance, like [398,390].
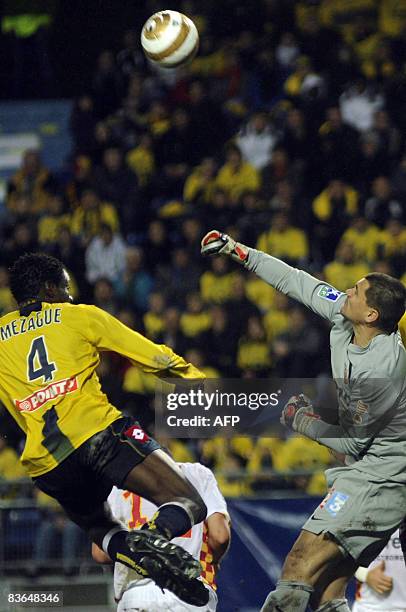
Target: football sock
[116,547]
[335,605]
[170,520]
[289,596]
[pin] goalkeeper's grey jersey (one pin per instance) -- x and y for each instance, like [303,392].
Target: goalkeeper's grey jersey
[370,381]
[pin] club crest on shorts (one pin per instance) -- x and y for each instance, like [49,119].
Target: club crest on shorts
[336,503]
[135,432]
[329,293]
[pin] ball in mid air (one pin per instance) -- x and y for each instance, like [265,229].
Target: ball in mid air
[169,39]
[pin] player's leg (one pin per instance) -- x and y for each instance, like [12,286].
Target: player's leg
[332,596]
[358,515]
[313,557]
[161,481]
[126,456]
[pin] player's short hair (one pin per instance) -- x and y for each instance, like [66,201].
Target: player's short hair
[30,272]
[388,296]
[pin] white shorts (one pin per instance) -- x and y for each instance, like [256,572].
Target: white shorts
[145,596]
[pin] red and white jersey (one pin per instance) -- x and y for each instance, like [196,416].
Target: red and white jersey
[133,512]
[368,600]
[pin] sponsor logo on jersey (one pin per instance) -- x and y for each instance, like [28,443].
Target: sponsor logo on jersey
[336,502]
[329,293]
[136,433]
[41,397]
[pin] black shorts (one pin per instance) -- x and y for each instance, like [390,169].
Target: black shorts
[84,480]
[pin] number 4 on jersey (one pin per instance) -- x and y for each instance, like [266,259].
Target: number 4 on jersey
[38,363]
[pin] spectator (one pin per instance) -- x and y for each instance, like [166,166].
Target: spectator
[130,58]
[296,137]
[157,246]
[221,345]
[198,358]
[284,241]
[134,284]
[237,176]
[253,350]
[104,296]
[105,256]
[106,85]
[287,51]
[55,533]
[32,180]
[82,125]
[195,321]
[364,237]
[358,105]
[141,160]
[52,221]
[68,249]
[7,303]
[398,179]
[22,240]
[82,180]
[153,319]
[10,465]
[118,185]
[338,146]
[191,235]
[176,152]
[277,320]
[256,140]
[243,304]
[216,284]
[382,206]
[344,271]
[372,161]
[298,351]
[181,278]
[89,216]
[393,245]
[333,209]
[389,138]
[200,184]
[172,335]
[207,121]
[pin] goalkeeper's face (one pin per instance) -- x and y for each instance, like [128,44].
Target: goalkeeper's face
[355,307]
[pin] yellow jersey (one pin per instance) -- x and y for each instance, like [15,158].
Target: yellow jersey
[48,379]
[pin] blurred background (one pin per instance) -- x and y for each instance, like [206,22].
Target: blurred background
[286,131]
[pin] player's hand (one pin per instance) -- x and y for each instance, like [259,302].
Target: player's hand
[216,243]
[298,413]
[378,580]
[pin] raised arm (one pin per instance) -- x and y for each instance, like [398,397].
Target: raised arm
[107,333]
[310,291]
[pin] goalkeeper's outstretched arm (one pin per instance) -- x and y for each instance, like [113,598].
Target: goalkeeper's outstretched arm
[310,291]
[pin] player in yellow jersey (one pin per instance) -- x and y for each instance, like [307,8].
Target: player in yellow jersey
[77,444]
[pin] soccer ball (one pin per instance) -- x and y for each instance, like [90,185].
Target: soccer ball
[169,39]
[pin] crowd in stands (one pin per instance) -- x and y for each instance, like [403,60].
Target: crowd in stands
[287,132]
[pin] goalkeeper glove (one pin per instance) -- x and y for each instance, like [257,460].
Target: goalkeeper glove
[216,243]
[298,414]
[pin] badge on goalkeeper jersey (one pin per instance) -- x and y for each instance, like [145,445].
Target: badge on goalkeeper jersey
[329,293]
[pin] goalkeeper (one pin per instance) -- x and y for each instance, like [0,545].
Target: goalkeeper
[367,498]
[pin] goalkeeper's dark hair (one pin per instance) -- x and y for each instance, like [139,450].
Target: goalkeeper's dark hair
[388,296]
[30,272]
